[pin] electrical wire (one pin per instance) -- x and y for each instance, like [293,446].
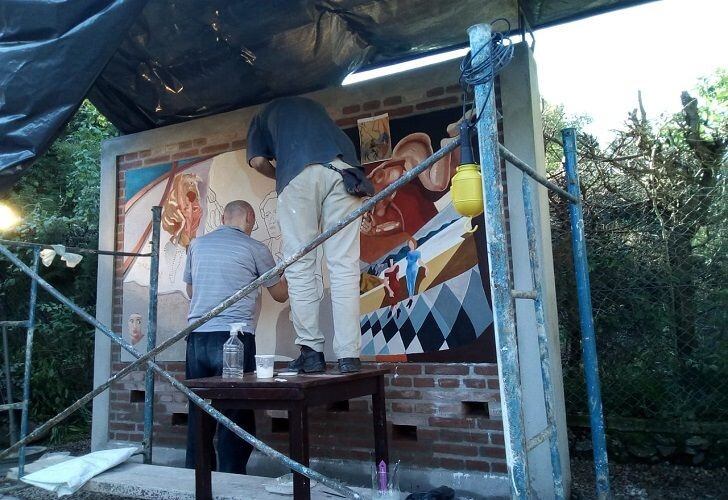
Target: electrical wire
[484,72]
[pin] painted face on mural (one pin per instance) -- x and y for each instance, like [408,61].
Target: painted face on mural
[135,328]
[268,211]
[181,213]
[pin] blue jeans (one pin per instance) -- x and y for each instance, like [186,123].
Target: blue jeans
[204,359]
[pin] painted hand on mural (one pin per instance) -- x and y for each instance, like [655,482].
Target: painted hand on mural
[181,212]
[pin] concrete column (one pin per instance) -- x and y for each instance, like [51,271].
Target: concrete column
[523,135]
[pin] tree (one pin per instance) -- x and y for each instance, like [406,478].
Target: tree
[59,203]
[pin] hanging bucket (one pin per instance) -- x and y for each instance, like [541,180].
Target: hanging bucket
[467,190]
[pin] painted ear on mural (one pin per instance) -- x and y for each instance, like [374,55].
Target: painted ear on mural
[181,212]
[415,148]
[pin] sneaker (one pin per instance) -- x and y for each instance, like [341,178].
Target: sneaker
[349,365]
[309,361]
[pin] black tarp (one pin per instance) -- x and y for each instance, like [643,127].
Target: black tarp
[50,54]
[181,59]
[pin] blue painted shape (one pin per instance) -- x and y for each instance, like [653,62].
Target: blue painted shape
[368,350]
[476,305]
[138,178]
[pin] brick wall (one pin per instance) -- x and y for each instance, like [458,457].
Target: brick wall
[439,414]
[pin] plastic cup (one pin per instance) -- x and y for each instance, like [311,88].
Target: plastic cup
[264,365]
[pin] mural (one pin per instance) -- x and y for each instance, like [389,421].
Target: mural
[424,293]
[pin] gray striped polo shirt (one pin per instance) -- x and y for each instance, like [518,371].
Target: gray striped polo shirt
[219,264]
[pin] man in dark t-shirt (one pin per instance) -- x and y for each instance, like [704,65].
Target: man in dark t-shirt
[301,138]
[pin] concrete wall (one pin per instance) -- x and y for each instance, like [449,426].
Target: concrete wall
[443,416]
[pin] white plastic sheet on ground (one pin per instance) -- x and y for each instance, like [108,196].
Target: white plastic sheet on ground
[68,477]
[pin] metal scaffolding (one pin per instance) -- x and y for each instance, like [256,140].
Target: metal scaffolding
[503,300]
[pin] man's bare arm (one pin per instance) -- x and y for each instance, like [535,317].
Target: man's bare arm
[264,166]
[279,291]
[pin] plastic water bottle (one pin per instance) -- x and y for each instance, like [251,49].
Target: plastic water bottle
[233,353]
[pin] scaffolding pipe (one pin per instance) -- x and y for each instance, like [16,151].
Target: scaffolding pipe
[44,246]
[12,427]
[275,271]
[498,263]
[28,363]
[533,174]
[151,335]
[586,318]
[543,341]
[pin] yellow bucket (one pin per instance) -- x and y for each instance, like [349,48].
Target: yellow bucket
[467,190]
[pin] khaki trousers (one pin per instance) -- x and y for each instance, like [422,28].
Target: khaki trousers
[314,201]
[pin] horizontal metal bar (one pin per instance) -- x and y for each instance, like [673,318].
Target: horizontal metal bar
[27,244]
[11,406]
[524,294]
[523,167]
[538,438]
[14,324]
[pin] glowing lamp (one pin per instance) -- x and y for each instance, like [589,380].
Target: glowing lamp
[8,217]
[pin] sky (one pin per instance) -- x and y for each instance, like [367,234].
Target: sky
[595,66]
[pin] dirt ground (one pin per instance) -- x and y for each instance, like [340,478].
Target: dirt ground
[660,481]
[628,481]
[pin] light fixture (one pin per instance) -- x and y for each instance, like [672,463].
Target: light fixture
[392,69]
[8,217]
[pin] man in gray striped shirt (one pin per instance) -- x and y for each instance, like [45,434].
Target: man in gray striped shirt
[219,264]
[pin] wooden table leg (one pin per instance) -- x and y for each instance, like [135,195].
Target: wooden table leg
[298,436]
[203,460]
[379,412]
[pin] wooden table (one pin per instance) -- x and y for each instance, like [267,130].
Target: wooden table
[296,394]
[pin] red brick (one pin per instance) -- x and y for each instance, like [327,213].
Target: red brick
[354,108]
[493,451]
[130,164]
[156,159]
[497,439]
[446,369]
[437,103]
[435,92]
[424,382]
[403,394]
[145,153]
[493,383]
[496,425]
[455,449]
[450,463]
[460,423]
[369,105]
[401,381]
[404,110]
[407,369]
[477,465]
[498,467]
[402,407]
[474,383]
[128,157]
[448,382]
[392,101]
[215,148]
[427,408]
[185,154]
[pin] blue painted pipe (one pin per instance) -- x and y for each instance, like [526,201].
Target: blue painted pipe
[586,319]
[497,245]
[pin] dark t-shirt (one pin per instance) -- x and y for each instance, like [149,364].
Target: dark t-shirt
[297,132]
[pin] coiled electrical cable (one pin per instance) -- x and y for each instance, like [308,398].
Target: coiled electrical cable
[484,72]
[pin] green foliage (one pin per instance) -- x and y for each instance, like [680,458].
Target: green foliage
[58,201]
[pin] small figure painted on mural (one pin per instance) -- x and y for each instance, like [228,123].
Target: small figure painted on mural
[414,262]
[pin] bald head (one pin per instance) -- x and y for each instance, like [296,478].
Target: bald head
[239,214]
